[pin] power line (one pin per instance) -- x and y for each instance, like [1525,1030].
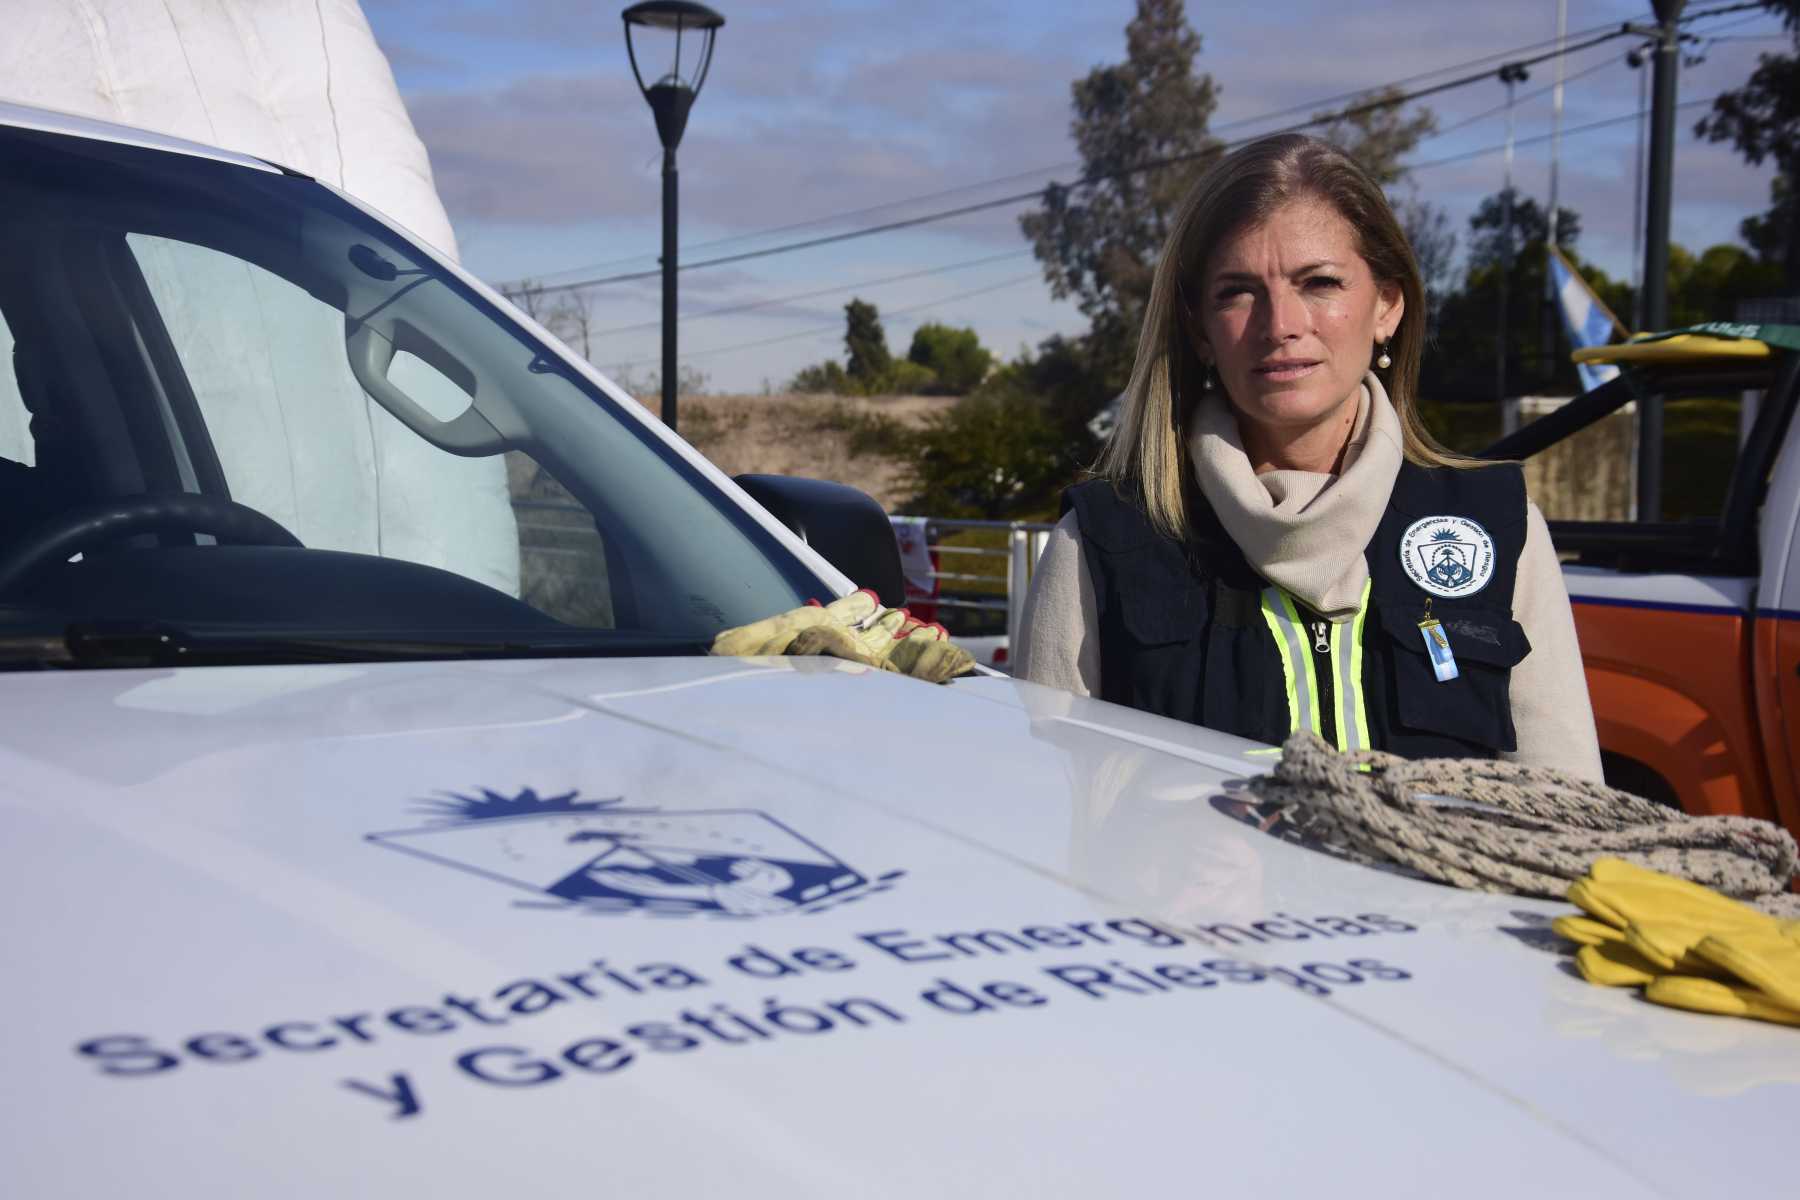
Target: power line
[1543,91]
[833,329]
[1310,106]
[1544,137]
[846,287]
[1014,282]
[1097,177]
[866,284]
[1602,33]
[809,223]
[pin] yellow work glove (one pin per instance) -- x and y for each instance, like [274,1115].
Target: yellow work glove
[868,640]
[1585,931]
[773,635]
[1768,961]
[835,641]
[1686,945]
[1663,918]
[858,629]
[1614,964]
[1711,996]
[928,653]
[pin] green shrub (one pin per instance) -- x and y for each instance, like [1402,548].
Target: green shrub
[906,378]
[991,456]
[954,356]
[826,377]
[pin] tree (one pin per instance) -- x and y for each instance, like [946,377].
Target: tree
[1377,132]
[529,295]
[1433,242]
[1463,363]
[1770,233]
[572,320]
[992,456]
[1069,382]
[1530,224]
[865,345]
[1707,287]
[1098,238]
[827,377]
[1762,120]
[955,357]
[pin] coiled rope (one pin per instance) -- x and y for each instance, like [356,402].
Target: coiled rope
[1523,830]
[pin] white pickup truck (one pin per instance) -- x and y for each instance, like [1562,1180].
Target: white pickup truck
[330,873]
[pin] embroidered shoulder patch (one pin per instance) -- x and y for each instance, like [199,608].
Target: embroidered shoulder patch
[1447,556]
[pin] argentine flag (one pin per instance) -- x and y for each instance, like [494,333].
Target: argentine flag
[1587,320]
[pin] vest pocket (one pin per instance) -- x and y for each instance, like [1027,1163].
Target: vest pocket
[1475,707]
[1159,600]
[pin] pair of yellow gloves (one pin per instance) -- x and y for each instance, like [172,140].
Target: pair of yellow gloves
[1685,945]
[857,628]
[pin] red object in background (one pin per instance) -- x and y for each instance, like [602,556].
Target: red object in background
[924,604]
[919,563]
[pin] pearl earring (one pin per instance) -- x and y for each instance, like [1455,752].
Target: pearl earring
[1206,378]
[1384,362]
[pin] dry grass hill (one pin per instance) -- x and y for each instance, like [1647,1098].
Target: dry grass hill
[799,434]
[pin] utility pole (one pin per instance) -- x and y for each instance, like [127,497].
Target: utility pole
[1659,187]
[1550,323]
[1511,74]
[1635,60]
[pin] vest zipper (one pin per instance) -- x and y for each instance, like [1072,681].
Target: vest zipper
[1324,677]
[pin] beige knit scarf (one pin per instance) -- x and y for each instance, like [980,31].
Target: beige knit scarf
[1304,531]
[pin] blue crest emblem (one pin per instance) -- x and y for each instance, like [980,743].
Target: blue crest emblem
[1447,556]
[599,856]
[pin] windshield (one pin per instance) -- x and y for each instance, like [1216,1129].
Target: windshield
[230,401]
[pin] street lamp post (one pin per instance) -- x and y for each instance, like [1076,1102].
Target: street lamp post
[671,97]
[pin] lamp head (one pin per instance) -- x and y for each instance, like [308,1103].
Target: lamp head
[671,95]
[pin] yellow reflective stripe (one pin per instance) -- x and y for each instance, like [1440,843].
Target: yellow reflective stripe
[1356,666]
[1312,688]
[1344,728]
[1273,619]
[1352,714]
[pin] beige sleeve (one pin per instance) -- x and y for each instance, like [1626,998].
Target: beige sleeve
[1551,711]
[1059,629]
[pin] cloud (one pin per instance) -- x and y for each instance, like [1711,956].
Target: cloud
[818,107]
[561,149]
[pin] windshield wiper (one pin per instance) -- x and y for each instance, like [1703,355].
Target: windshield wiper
[158,644]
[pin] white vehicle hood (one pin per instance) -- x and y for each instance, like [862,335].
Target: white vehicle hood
[773,928]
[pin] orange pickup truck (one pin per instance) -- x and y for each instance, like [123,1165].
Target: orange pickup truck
[1690,629]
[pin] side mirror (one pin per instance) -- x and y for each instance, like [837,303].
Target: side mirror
[844,525]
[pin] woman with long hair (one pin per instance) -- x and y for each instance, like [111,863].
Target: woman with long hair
[1273,540]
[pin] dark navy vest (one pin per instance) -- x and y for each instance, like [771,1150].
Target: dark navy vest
[1182,630]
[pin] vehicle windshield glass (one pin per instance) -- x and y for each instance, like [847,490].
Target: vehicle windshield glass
[229,397]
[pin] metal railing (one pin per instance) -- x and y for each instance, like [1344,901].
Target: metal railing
[1023,543]
[958,583]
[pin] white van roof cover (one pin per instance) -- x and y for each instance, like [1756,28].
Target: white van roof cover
[296,82]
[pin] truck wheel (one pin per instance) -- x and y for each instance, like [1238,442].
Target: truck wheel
[1630,775]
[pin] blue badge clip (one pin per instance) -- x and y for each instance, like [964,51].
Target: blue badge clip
[1437,645]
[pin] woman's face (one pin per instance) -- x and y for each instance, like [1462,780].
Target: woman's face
[1289,314]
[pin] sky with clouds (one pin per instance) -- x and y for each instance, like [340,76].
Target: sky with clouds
[822,116]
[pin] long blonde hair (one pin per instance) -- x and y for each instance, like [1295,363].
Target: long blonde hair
[1147,451]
